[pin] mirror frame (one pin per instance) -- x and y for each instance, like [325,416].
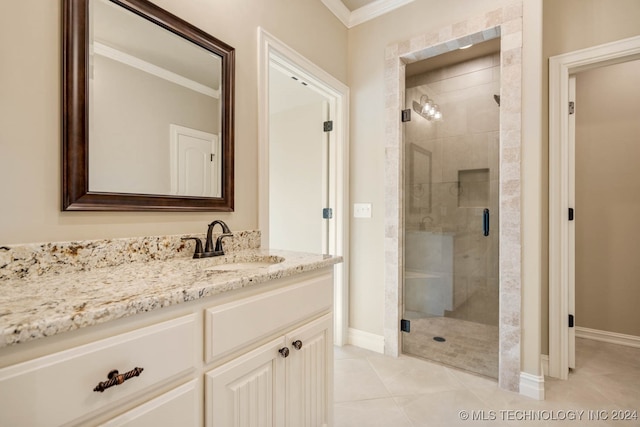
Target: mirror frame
[75,115]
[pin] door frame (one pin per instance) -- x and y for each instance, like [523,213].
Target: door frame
[270,49]
[561,188]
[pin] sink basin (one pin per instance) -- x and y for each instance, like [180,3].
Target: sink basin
[246,264]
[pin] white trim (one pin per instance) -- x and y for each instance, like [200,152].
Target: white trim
[544,361]
[560,67]
[366,340]
[532,215]
[571,225]
[340,10]
[147,67]
[532,386]
[375,9]
[606,336]
[363,14]
[270,49]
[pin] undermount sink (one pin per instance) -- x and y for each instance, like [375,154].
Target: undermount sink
[246,264]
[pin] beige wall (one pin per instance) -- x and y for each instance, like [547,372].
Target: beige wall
[570,25]
[367,43]
[608,198]
[30,48]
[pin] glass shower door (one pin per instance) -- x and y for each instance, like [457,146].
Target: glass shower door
[451,286]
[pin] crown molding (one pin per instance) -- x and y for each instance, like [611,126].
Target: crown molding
[340,10]
[365,13]
[135,62]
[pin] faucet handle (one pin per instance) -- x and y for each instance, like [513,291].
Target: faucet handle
[198,252]
[218,247]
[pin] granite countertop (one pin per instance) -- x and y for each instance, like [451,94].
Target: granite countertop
[45,305]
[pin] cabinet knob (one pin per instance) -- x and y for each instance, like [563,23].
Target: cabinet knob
[284,351]
[115,378]
[297,344]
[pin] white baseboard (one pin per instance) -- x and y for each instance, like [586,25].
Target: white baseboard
[366,340]
[532,386]
[610,337]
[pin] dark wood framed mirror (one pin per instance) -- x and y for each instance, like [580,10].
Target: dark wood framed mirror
[148,111]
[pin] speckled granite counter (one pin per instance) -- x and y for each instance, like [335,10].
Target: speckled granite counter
[40,305]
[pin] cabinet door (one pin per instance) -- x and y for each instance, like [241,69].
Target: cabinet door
[309,378]
[248,391]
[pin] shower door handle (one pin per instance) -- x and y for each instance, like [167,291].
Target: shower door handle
[485,222]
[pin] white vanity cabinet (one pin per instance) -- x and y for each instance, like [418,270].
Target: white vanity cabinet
[217,361]
[309,375]
[287,381]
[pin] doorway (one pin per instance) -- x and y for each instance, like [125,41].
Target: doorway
[299,153]
[451,209]
[506,25]
[607,205]
[324,98]
[562,235]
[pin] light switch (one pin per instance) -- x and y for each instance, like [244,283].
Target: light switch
[362,210]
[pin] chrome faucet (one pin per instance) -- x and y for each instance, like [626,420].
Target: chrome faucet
[209,249]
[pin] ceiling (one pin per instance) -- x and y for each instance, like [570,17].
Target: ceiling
[354,12]
[356,4]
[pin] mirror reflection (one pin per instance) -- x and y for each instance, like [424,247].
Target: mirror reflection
[154,108]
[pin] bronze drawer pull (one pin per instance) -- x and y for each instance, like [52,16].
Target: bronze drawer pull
[116,379]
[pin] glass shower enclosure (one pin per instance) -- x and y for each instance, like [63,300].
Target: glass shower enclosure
[451,176]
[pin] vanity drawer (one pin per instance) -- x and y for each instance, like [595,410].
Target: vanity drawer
[178,407]
[59,388]
[233,326]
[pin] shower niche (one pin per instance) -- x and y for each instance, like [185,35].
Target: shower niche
[473,188]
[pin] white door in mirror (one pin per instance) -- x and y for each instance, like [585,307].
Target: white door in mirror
[195,162]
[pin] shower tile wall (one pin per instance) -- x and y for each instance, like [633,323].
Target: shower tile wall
[464,144]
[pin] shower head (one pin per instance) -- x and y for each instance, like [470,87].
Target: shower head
[497,99]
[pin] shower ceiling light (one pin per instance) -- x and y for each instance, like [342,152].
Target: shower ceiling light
[427,109]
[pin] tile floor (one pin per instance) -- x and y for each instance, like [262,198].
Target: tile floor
[469,345]
[373,390]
